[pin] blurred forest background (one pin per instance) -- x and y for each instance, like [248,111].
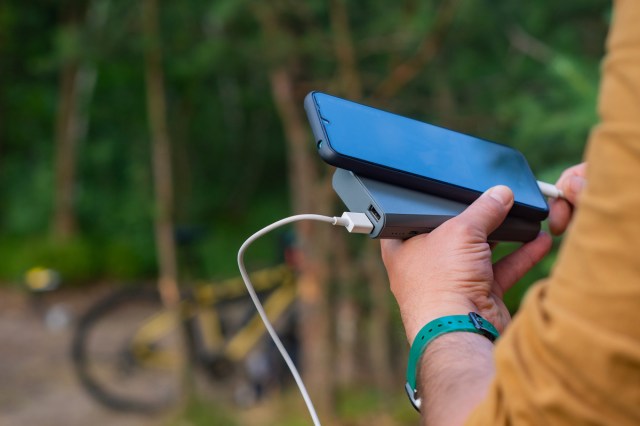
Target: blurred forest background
[122,121]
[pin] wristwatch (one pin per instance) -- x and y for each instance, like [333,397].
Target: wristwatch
[472,323]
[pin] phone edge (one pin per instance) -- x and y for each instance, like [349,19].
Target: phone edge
[400,177]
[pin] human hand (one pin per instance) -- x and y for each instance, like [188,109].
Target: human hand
[449,271]
[571,183]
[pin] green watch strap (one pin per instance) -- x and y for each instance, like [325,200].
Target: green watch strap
[472,322]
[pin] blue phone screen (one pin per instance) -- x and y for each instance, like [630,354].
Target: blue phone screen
[422,149]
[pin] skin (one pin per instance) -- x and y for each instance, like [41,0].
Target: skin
[572,182]
[449,272]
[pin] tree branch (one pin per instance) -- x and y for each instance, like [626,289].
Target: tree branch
[527,44]
[405,72]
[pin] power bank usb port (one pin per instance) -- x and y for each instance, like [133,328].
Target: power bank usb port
[374,212]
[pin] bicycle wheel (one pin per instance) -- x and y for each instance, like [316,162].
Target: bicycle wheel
[126,352]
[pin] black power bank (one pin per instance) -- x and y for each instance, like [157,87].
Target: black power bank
[401,213]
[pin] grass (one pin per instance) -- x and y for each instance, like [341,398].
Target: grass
[353,407]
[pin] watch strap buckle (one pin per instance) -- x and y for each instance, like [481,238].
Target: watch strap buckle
[479,323]
[413,396]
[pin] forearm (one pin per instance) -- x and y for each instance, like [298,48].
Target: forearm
[454,376]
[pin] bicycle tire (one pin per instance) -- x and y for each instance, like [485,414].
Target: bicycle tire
[101,352]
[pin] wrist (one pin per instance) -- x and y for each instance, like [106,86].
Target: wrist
[454,374]
[425,313]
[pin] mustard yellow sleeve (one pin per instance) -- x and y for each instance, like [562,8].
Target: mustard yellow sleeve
[572,354]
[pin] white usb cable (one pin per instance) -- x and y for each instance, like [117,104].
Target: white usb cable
[549,190]
[355,223]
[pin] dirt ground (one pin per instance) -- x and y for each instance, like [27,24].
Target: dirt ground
[37,383]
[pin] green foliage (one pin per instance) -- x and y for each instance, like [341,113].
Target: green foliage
[78,261]
[121,260]
[351,403]
[366,406]
[521,74]
[198,412]
[74,260]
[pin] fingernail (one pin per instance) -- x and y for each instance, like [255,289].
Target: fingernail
[501,193]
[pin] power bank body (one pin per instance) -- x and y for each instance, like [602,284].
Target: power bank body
[401,213]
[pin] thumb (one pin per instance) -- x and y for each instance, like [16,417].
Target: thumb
[488,211]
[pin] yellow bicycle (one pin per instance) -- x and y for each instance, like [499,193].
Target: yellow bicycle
[126,348]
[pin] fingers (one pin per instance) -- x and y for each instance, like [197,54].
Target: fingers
[571,182]
[487,212]
[388,248]
[508,270]
[479,219]
[560,212]
[572,187]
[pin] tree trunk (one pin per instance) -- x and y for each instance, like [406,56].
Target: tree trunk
[380,319]
[161,157]
[64,221]
[347,311]
[163,187]
[314,327]
[77,83]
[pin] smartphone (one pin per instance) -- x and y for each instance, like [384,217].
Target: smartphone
[409,153]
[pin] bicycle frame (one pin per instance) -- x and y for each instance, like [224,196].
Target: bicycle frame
[278,282]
